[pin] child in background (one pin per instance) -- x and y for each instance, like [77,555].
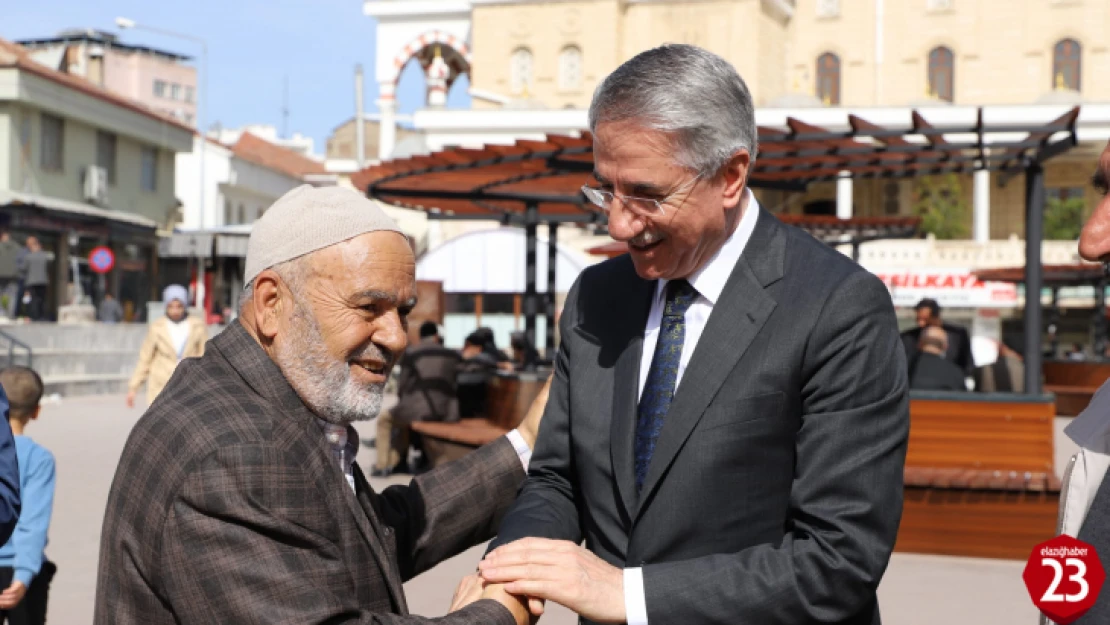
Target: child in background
[25,573]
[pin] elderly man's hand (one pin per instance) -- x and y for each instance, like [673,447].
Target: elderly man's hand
[516,605]
[559,571]
[469,591]
[530,426]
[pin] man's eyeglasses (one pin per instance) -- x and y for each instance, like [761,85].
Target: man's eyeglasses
[642,206]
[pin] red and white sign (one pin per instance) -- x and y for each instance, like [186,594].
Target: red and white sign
[952,288]
[1064,577]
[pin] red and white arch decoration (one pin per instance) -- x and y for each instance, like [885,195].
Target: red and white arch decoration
[425,40]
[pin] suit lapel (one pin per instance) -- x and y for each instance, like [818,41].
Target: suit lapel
[376,539]
[739,314]
[626,394]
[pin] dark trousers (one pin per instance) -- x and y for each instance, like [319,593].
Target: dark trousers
[37,309]
[32,610]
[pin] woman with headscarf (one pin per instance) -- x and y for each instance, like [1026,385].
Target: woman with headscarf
[169,340]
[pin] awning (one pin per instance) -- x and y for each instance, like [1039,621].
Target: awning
[58,205]
[186,245]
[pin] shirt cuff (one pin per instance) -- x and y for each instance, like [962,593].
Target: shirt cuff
[635,603]
[25,576]
[523,451]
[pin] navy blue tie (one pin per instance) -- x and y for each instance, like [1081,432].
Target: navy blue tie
[663,376]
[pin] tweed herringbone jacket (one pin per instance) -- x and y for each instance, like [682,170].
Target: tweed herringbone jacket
[227,508]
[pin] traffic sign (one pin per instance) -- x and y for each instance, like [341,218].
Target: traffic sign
[1064,577]
[101,259]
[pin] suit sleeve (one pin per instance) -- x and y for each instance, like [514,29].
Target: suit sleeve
[9,475]
[233,552]
[546,505]
[452,508]
[846,501]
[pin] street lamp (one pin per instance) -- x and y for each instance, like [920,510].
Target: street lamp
[126,23]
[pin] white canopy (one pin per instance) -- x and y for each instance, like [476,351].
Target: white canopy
[492,261]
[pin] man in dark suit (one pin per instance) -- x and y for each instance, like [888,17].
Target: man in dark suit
[427,391]
[959,341]
[728,420]
[929,370]
[237,498]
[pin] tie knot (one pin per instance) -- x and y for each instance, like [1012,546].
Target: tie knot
[680,296]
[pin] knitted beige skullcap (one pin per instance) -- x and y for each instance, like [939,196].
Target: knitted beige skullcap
[308,219]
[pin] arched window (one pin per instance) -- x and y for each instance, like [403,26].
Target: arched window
[942,73]
[828,78]
[570,68]
[1067,57]
[521,70]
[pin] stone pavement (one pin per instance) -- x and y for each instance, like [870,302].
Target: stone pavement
[87,435]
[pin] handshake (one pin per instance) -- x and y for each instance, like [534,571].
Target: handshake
[523,575]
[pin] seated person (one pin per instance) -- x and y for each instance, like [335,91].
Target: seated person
[525,356]
[929,370]
[475,371]
[489,347]
[427,391]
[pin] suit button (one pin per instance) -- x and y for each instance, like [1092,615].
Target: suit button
[388,531]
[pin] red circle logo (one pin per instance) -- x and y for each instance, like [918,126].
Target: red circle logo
[1064,577]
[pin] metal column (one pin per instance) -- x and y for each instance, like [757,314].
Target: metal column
[1034,274]
[531,297]
[552,261]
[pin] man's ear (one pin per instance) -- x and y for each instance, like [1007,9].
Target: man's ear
[35,414]
[735,174]
[267,303]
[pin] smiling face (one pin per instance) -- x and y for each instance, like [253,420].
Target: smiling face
[1094,242]
[698,217]
[346,324]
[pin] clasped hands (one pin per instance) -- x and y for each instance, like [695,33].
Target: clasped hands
[524,574]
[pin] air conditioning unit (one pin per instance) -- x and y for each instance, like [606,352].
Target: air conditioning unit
[96,185]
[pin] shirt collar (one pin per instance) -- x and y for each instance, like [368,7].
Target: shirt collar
[340,437]
[710,280]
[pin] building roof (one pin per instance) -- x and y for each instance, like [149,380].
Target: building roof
[262,152]
[16,56]
[91,35]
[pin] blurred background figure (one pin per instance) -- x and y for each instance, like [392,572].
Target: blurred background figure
[169,340]
[427,391]
[9,275]
[929,369]
[958,340]
[525,355]
[1005,375]
[109,311]
[36,279]
[25,573]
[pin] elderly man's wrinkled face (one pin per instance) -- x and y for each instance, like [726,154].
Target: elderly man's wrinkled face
[349,325]
[1094,242]
[699,213]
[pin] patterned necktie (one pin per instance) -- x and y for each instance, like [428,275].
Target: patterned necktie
[663,375]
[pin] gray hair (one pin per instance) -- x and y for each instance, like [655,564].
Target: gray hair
[690,93]
[292,272]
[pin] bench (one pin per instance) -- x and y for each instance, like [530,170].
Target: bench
[979,478]
[1074,383]
[508,398]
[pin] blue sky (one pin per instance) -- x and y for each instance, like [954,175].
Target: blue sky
[252,46]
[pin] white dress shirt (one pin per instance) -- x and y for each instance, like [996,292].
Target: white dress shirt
[709,282]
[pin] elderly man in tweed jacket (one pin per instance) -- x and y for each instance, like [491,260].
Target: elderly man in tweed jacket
[237,499]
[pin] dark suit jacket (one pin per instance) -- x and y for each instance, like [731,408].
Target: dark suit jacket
[428,388]
[929,372]
[9,475]
[775,490]
[959,346]
[227,507]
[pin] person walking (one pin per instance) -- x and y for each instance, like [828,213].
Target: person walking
[36,278]
[169,340]
[9,275]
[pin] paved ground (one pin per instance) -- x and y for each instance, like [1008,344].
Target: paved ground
[87,436]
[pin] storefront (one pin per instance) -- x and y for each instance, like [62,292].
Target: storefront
[69,231]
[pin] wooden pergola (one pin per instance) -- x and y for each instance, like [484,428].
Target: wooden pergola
[533,182]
